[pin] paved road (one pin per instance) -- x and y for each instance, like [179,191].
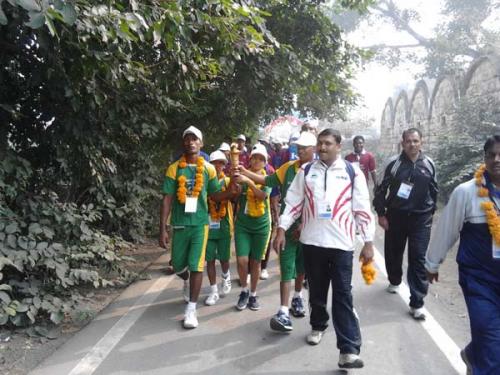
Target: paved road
[141,333]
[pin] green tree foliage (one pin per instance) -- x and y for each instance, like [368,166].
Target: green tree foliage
[94,98]
[461,150]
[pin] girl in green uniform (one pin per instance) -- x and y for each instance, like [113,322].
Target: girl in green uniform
[219,237]
[252,229]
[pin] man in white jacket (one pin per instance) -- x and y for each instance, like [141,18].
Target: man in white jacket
[332,198]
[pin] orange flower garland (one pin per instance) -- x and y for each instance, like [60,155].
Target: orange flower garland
[488,207]
[198,181]
[256,207]
[369,273]
[215,214]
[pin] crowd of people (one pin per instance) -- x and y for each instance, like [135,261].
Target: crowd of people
[315,204]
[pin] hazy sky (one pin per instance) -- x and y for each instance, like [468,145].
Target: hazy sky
[377,82]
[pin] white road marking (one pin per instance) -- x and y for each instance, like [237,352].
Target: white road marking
[101,350]
[444,342]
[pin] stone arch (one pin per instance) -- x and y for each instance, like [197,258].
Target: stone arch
[442,107]
[419,107]
[483,78]
[401,119]
[387,126]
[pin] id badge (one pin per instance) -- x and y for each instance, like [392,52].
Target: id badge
[495,250]
[405,190]
[324,210]
[213,224]
[246,208]
[191,205]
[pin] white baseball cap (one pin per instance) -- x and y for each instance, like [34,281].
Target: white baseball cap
[242,137]
[259,149]
[306,139]
[193,130]
[224,147]
[218,155]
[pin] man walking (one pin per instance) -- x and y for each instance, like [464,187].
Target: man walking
[472,215]
[405,202]
[332,198]
[364,159]
[187,183]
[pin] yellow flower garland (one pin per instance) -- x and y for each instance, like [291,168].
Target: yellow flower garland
[215,214]
[256,207]
[369,273]
[488,207]
[198,180]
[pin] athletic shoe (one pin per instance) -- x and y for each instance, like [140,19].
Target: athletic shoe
[253,304]
[297,308]
[185,292]
[314,338]
[393,289]
[264,275]
[212,299]
[225,286]
[281,322]
[417,314]
[463,354]
[190,319]
[243,300]
[349,360]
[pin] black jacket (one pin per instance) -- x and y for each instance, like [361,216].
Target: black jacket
[421,174]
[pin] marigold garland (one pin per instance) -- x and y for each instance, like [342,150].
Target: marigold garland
[488,207]
[256,207]
[219,214]
[369,272]
[198,180]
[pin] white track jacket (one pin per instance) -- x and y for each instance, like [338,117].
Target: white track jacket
[332,210]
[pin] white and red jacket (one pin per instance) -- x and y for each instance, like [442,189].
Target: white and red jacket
[350,206]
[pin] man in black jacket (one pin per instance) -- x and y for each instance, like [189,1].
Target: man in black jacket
[405,202]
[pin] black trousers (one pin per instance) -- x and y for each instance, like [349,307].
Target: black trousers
[326,266]
[416,230]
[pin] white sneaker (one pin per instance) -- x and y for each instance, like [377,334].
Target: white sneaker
[349,360]
[264,275]
[417,314]
[190,319]
[393,289]
[314,338]
[212,299]
[225,286]
[185,292]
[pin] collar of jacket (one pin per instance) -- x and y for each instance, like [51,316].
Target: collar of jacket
[403,156]
[334,164]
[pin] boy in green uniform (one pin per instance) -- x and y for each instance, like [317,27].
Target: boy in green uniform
[219,237]
[187,183]
[291,258]
[252,230]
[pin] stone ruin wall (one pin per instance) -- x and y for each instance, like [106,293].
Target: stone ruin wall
[430,105]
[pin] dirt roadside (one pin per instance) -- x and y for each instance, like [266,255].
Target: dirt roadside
[20,353]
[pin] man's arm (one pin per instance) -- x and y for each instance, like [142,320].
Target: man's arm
[373,169]
[164,212]
[447,231]
[363,217]
[379,200]
[255,177]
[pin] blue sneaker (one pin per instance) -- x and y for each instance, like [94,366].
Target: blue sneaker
[297,308]
[281,322]
[243,300]
[253,304]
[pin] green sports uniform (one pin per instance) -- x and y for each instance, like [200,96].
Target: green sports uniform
[190,230]
[292,257]
[219,239]
[252,234]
